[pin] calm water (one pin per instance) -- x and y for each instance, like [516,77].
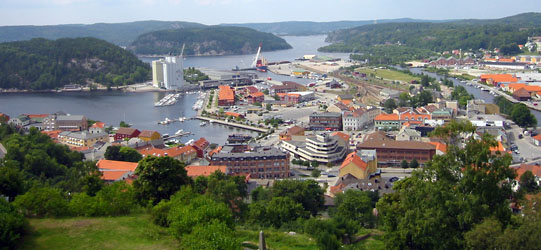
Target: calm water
[138,108]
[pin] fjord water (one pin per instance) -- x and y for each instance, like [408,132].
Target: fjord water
[138,108]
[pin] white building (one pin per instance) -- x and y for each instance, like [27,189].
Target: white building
[168,73]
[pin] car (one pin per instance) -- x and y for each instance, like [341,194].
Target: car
[393,179]
[331,175]
[520,136]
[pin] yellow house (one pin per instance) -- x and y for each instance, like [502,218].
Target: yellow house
[149,135]
[356,166]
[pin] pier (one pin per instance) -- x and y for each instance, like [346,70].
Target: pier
[231,124]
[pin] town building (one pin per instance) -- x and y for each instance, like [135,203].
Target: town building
[536,140]
[260,163]
[522,95]
[4,118]
[185,154]
[98,127]
[81,138]
[326,121]
[116,170]
[123,133]
[408,134]
[149,135]
[257,97]
[226,96]
[196,171]
[287,134]
[520,170]
[358,118]
[360,164]
[387,93]
[387,122]
[65,122]
[201,146]
[286,87]
[168,73]
[323,148]
[391,153]
[479,107]
[19,121]
[497,79]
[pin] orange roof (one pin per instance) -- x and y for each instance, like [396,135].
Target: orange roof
[341,135]
[108,165]
[226,93]
[536,170]
[257,94]
[537,137]
[499,78]
[506,60]
[36,115]
[232,114]
[346,102]
[499,148]
[194,171]
[387,117]
[491,59]
[98,125]
[53,134]
[113,175]
[355,159]
[439,146]
[79,149]
[201,143]
[171,152]
[187,150]
[215,151]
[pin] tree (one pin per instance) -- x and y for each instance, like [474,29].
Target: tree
[389,105]
[42,202]
[12,224]
[316,173]
[527,182]
[215,235]
[276,212]
[414,163]
[404,164]
[521,115]
[130,154]
[123,124]
[484,235]
[113,153]
[404,99]
[158,179]
[510,49]
[354,205]
[308,193]
[425,81]
[269,107]
[11,181]
[434,207]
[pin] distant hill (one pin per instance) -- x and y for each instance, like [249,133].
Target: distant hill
[122,34]
[40,64]
[459,34]
[301,28]
[210,40]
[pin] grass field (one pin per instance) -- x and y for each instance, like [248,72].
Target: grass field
[125,232]
[388,74]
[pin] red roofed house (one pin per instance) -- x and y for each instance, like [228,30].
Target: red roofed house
[356,166]
[226,96]
[195,171]
[236,115]
[53,134]
[256,97]
[537,140]
[4,118]
[496,79]
[289,98]
[185,154]
[129,133]
[387,122]
[201,146]
[98,127]
[521,95]
[520,170]
[116,170]
[288,133]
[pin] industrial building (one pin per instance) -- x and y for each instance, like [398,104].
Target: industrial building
[168,73]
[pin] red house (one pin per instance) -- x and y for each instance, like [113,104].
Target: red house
[201,146]
[122,133]
[256,97]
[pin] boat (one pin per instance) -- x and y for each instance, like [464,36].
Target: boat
[191,141]
[165,135]
[260,64]
[182,119]
[202,124]
[179,132]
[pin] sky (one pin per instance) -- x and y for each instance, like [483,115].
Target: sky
[48,12]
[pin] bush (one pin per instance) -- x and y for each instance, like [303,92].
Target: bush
[159,213]
[43,202]
[113,199]
[12,224]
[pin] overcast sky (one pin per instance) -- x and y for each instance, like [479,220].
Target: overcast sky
[43,12]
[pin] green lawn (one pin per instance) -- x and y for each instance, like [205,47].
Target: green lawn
[388,74]
[125,232]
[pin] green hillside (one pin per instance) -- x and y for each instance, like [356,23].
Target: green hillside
[461,34]
[211,40]
[118,33]
[40,64]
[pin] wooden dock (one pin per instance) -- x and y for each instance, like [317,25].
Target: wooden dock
[231,124]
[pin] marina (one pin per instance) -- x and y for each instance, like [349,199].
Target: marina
[168,100]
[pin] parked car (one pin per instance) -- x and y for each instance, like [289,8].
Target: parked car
[520,136]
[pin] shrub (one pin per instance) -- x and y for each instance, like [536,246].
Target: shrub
[40,202]
[12,224]
[113,199]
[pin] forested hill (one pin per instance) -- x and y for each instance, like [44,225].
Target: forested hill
[462,34]
[302,28]
[211,40]
[40,64]
[122,34]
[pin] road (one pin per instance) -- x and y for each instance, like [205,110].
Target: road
[525,146]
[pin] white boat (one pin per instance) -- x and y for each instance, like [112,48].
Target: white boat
[179,132]
[182,119]
[191,141]
[202,124]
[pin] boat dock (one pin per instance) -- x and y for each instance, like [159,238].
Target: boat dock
[167,100]
[231,124]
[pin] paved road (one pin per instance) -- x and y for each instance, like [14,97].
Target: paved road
[525,146]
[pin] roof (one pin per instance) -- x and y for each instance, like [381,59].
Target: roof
[355,159]
[70,117]
[499,77]
[202,143]
[171,152]
[98,125]
[257,94]
[439,146]
[499,148]
[252,89]
[326,114]
[388,144]
[109,165]
[215,151]
[194,171]
[537,137]
[522,92]
[53,134]
[147,133]
[126,131]
[341,135]
[232,114]
[83,135]
[387,117]
[536,170]
[113,175]
[226,93]
[346,102]
[346,97]
[293,130]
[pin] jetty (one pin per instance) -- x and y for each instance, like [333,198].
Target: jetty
[232,124]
